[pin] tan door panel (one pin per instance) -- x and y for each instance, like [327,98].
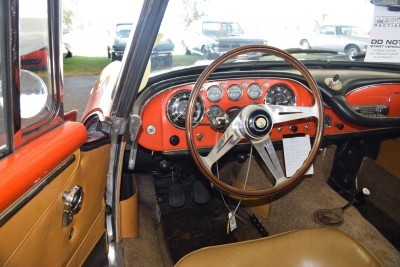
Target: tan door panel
[34,236]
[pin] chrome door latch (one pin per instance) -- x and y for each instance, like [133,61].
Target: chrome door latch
[72,204]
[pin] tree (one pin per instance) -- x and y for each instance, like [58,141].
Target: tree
[68,17]
[194,10]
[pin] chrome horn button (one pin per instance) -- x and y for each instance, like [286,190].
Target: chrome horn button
[258,122]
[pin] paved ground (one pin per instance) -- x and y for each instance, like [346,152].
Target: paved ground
[76,92]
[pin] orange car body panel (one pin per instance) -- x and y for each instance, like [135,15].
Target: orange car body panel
[100,100]
[24,168]
[385,94]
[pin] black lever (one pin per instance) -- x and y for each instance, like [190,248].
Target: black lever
[335,77]
[335,216]
[363,193]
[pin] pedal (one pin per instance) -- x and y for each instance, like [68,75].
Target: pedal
[200,193]
[176,196]
[257,224]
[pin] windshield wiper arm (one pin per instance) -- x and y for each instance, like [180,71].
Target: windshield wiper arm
[310,51]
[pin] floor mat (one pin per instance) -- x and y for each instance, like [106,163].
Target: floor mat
[187,230]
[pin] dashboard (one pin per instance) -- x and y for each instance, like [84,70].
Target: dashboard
[163,110]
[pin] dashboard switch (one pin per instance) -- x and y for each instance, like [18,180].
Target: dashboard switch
[340,126]
[384,111]
[174,140]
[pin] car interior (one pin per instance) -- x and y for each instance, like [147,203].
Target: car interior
[264,156]
[179,208]
[206,176]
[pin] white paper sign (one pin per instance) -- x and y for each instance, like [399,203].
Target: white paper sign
[295,152]
[384,45]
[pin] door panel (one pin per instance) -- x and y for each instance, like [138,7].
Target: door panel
[34,235]
[26,167]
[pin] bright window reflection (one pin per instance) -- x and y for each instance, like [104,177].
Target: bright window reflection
[36,94]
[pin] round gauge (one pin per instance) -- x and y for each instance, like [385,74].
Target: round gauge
[235,92]
[215,111]
[214,93]
[254,91]
[280,94]
[176,109]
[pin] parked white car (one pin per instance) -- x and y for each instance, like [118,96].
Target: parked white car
[341,38]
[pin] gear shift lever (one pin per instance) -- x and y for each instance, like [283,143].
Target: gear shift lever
[335,216]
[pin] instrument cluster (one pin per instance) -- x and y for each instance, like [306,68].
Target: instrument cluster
[215,97]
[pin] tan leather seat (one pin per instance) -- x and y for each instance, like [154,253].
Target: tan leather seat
[309,247]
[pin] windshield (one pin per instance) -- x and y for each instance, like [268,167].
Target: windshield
[199,31]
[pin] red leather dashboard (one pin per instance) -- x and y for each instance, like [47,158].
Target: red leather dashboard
[157,129]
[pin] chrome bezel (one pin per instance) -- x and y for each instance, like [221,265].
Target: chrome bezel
[248,91]
[241,92]
[198,98]
[212,107]
[287,87]
[222,93]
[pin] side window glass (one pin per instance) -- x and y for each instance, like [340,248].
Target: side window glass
[37,96]
[4,146]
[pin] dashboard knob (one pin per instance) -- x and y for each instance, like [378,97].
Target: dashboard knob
[340,126]
[294,128]
[174,140]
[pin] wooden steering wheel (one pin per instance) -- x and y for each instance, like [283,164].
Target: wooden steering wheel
[254,123]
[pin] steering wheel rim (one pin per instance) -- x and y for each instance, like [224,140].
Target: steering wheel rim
[318,104]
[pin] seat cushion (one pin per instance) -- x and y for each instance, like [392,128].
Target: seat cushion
[308,247]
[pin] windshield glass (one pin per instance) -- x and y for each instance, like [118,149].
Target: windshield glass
[198,31]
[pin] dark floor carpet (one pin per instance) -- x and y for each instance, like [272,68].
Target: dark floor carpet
[187,230]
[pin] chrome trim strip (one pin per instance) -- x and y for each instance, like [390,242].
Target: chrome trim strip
[36,189]
[9,63]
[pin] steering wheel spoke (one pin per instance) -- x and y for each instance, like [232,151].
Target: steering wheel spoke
[290,113]
[266,150]
[228,140]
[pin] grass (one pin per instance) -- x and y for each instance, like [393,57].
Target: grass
[83,66]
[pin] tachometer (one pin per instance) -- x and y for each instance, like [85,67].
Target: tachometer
[235,92]
[176,109]
[254,91]
[214,93]
[280,94]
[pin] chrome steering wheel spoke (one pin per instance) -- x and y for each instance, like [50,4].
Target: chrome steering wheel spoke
[281,114]
[229,139]
[267,152]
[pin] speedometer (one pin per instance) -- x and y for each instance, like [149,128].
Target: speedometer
[235,92]
[176,109]
[280,94]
